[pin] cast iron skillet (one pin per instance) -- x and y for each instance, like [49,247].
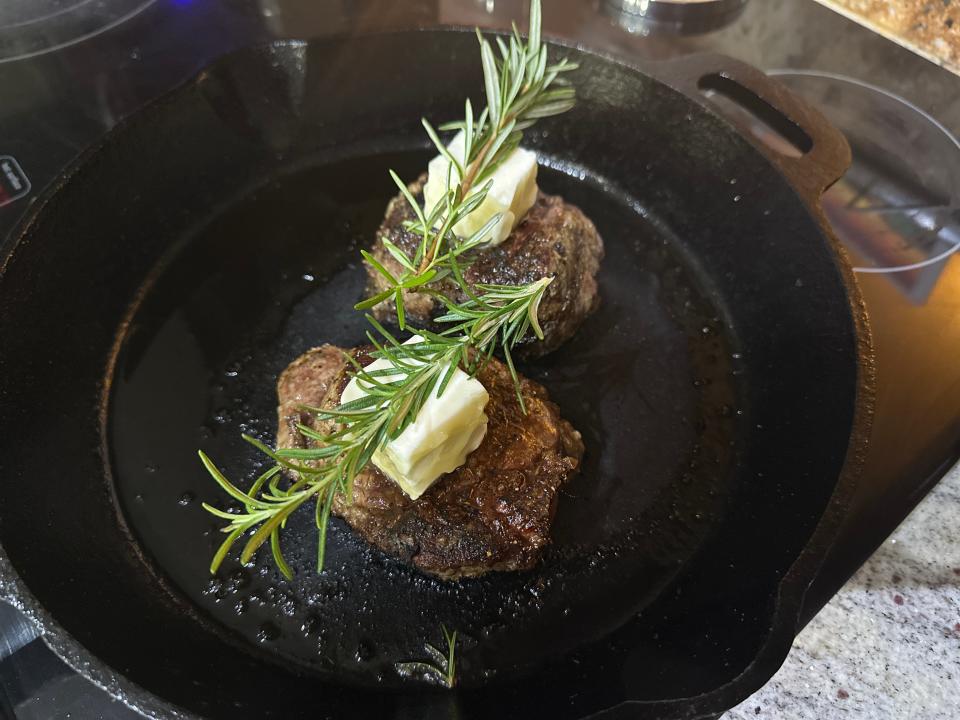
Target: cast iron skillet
[723,390]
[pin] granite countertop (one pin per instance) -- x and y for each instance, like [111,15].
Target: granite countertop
[928,27]
[887,646]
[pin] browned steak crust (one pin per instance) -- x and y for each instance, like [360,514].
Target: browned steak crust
[493,513]
[555,239]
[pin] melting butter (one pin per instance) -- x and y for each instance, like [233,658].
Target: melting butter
[445,431]
[512,194]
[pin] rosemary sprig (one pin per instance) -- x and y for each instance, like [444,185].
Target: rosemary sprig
[441,667]
[499,315]
[521,88]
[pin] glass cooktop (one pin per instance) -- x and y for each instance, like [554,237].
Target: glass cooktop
[71,69]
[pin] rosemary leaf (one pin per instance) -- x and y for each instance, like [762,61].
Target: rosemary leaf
[278,555]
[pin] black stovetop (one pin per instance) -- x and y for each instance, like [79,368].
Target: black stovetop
[55,103]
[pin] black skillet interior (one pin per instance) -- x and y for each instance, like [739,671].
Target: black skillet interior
[151,302]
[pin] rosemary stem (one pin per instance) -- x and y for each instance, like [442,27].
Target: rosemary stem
[466,184]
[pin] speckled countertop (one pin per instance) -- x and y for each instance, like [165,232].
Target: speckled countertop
[887,646]
[929,27]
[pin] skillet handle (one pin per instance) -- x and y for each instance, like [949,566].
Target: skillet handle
[820,153]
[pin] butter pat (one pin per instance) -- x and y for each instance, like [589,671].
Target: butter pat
[513,192]
[445,431]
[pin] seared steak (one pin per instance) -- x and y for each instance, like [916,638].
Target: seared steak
[492,513]
[554,239]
